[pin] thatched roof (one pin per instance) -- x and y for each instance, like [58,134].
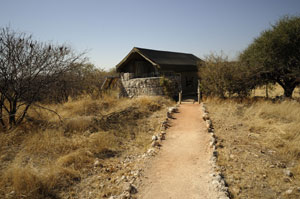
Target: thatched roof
[164,59]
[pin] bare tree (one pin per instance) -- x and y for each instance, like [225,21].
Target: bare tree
[27,68]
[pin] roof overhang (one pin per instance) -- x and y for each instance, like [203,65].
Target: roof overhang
[135,50]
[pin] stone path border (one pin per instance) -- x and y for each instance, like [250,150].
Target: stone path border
[218,178]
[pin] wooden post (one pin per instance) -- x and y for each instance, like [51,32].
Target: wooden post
[199,92]
[180,97]
[267,91]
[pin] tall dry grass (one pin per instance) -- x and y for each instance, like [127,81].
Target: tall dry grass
[48,153]
[258,143]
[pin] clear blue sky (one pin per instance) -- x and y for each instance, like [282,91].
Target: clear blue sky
[109,29]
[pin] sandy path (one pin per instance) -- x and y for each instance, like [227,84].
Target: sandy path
[181,169]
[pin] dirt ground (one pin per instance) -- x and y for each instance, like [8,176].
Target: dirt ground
[182,168]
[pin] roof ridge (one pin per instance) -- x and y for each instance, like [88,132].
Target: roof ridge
[159,58]
[138,48]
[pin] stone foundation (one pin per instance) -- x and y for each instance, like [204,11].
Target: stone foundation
[150,86]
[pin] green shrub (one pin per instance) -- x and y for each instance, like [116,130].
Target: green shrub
[166,84]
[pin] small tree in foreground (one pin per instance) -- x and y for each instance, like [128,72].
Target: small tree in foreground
[274,56]
[28,68]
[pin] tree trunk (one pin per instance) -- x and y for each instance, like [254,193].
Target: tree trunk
[288,87]
[24,113]
[12,119]
[12,113]
[1,118]
[1,112]
[288,91]
[267,91]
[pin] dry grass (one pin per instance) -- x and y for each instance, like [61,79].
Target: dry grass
[258,141]
[273,91]
[52,157]
[26,182]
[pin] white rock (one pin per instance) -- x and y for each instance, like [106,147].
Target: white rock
[154,137]
[213,159]
[151,151]
[137,173]
[210,130]
[128,187]
[213,140]
[169,115]
[155,143]
[205,116]
[97,163]
[125,195]
[223,197]
[208,123]
[288,173]
[288,192]
[162,136]
[171,109]
[215,183]
[218,178]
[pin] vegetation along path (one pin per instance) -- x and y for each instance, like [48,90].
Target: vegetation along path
[182,168]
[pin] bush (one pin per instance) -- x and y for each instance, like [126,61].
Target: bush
[220,77]
[166,84]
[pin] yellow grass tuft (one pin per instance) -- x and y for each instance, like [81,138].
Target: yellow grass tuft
[78,124]
[52,143]
[78,159]
[22,182]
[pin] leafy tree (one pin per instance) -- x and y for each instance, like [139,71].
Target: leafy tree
[274,56]
[27,69]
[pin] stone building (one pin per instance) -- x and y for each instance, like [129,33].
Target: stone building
[142,69]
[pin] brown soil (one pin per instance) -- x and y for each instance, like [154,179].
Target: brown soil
[182,168]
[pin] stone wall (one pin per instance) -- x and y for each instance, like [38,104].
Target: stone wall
[150,86]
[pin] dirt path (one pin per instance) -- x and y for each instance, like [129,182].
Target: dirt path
[181,169]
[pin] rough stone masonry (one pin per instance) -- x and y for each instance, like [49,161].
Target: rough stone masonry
[149,86]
